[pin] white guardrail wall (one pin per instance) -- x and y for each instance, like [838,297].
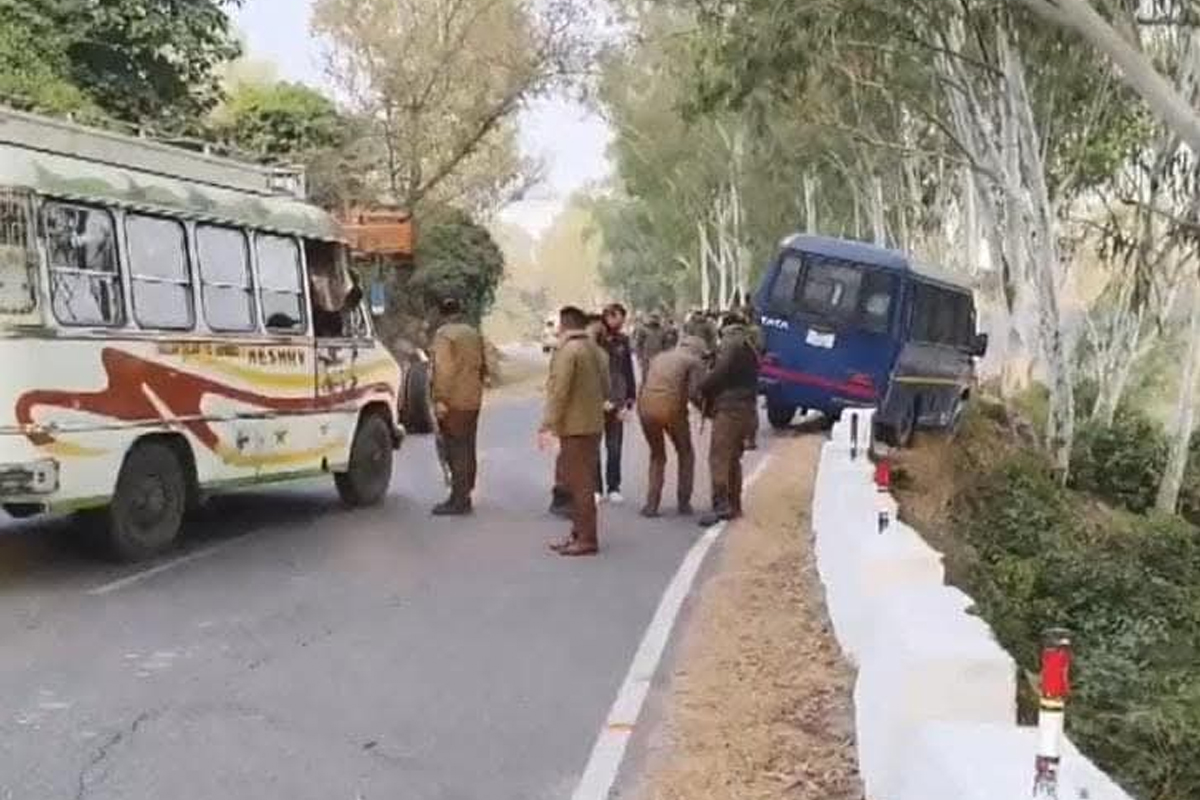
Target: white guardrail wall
[935,696]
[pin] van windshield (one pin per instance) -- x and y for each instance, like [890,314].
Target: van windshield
[844,293]
[17,294]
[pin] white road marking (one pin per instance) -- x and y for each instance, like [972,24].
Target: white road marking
[138,577]
[608,753]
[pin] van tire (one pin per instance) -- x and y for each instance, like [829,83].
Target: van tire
[780,417]
[369,474]
[147,509]
[418,405]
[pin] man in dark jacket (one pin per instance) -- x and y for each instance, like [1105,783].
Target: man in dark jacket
[622,394]
[730,395]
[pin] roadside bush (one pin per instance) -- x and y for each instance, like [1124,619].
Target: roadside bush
[1189,494]
[1123,463]
[1035,556]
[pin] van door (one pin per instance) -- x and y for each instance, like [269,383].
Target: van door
[841,343]
[935,368]
[339,323]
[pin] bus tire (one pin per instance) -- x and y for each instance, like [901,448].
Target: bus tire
[780,417]
[147,509]
[369,474]
[418,405]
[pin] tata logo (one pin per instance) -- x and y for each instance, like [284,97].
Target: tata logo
[773,322]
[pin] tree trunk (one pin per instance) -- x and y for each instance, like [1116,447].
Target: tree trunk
[1134,66]
[878,213]
[1185,415]
[810,204]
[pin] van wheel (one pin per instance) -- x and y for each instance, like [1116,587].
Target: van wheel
[780,417]
[366,481]
[147,509]
[418,406]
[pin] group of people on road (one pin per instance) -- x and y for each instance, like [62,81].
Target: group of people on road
[593,390]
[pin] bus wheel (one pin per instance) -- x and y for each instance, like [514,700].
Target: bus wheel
[366,481]
[780,417]
[418,406]
[147,509]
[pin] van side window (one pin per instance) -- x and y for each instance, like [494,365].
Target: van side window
[878,289]
[783,291]
[226,282]
[85,281]
[281,285]
[159,273]
[942,317]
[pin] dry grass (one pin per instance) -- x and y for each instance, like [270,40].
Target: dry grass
[760,703]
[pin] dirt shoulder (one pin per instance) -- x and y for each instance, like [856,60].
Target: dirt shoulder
[759,704]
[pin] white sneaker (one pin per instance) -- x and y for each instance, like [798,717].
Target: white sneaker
[616,499]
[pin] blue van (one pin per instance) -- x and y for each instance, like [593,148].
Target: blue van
[846,324]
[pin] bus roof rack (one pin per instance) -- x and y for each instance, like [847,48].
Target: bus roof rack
[149,155]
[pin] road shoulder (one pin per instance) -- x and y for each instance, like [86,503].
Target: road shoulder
[758,703]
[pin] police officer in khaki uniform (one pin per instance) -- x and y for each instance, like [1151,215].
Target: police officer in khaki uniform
[730,397]
[459,374]
[575,395]
[673,380]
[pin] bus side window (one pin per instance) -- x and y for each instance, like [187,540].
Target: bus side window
[281,286]
[226,280]
[85,281]
[159,273]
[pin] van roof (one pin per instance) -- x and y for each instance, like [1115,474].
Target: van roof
[871,255]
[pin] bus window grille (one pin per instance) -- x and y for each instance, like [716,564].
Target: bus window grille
[16,257]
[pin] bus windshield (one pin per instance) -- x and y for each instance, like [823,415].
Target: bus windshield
[17,294]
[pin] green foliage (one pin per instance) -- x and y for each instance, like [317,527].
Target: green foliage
[1038,556]
[32,70]
[279,120]
[1123,463]
[456,257]
[137,60]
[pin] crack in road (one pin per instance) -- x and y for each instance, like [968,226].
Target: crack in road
[104,750]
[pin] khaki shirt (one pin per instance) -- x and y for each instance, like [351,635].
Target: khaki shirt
[459,367]
[672,379]
[577,388]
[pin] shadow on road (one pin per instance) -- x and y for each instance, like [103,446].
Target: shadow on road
[46,552]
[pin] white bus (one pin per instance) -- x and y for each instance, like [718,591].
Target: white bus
[173,323]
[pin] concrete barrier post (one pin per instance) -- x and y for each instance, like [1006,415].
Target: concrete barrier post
[1056,684]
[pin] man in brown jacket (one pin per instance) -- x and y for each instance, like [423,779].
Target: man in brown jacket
[575,394]
[673,379]
[459,373]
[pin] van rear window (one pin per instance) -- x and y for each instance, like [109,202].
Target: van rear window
[845,293]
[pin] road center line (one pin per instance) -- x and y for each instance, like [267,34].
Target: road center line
[138,577]
[608,753]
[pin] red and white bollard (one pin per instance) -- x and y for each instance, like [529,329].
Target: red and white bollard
[1056,685]
[883,485]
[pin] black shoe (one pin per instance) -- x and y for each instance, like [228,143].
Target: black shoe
[650,513]
[562,512]
[686,510]
[714,518]
[452,508]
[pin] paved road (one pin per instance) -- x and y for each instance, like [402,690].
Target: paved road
[308,653]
